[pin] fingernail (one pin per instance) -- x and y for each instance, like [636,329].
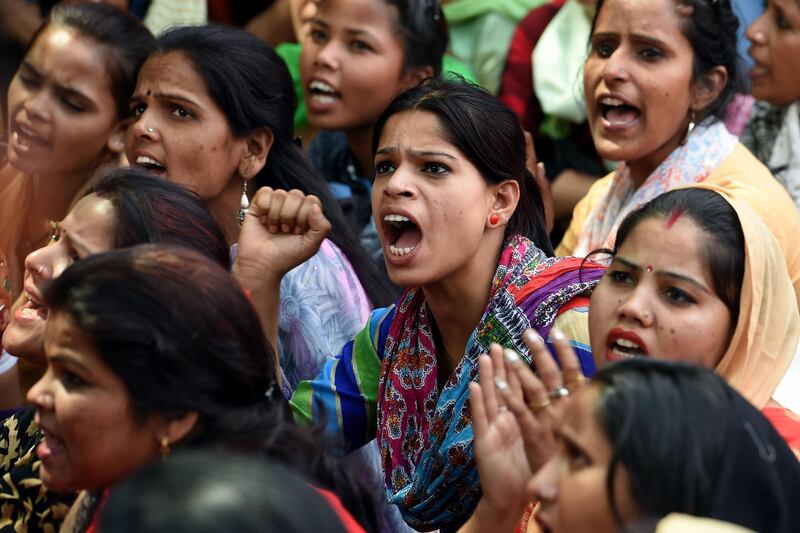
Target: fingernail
[500,384]
[510,355]
[272,229]
[285,228]
[531,336]
[558,334]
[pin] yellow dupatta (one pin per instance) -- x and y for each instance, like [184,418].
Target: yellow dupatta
[765,341]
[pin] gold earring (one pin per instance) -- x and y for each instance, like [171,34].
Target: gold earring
[164,448]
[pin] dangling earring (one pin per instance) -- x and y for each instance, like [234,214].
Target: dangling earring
[164,448]
[691,127]
[244,203]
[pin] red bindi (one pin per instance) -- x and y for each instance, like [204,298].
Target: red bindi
[673,218]
[648,269]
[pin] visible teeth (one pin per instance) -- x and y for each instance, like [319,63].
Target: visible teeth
[620,353]
[394,250]
[395,218]
[321,86]
[27,312]
[144,160]
[25,131]
[611,101]
[322,98]
[625,343]
[20,140]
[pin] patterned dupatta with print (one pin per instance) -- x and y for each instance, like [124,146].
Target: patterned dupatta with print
[425,435]
[705,148]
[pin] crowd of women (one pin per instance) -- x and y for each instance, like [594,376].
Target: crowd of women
[412,323]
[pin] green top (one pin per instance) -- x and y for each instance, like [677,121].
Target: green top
[459,11]
[481,32]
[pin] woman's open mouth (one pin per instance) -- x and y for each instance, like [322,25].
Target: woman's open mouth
[401,235]
[49,447]
[617,113]
[31,310]
[25,138]
[150,164]
[322,93]
[623,344]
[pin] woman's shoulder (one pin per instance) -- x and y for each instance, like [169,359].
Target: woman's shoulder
[742,168]
[581,212]
[328,261]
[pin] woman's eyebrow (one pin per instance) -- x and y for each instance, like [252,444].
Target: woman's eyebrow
[637,268]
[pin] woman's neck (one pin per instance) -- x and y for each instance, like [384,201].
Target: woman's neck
[360,143]
[642,168]
[459,301]
[225,207]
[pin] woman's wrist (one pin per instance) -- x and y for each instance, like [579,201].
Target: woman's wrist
[488,517]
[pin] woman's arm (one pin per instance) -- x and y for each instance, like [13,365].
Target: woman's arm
[282,229]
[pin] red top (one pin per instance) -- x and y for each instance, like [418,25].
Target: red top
[349,523]
[787,424]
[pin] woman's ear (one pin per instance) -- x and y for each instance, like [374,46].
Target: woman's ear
[176,429]
[257,147]
[505,197]
[415,76]
[116,141]
[708,89]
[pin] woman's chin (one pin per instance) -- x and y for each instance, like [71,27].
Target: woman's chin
[25,342]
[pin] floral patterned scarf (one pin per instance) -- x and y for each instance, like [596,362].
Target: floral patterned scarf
[425,435]
[705,148]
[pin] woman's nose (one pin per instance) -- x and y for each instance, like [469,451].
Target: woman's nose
[544,485]
[636,306]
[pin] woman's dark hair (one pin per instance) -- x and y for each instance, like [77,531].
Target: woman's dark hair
[423,30]
[488,134]
[180,333]
[250,83]
[667,424]
[724,242]
[691,444]
[152,210]
[711,30]
[125,41]
[211,492]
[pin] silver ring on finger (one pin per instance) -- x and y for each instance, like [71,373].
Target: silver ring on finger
[558,392]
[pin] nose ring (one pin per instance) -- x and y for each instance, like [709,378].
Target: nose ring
[151,130]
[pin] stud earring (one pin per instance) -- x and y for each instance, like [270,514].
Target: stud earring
[163,448]
[494,219]
[244,203]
